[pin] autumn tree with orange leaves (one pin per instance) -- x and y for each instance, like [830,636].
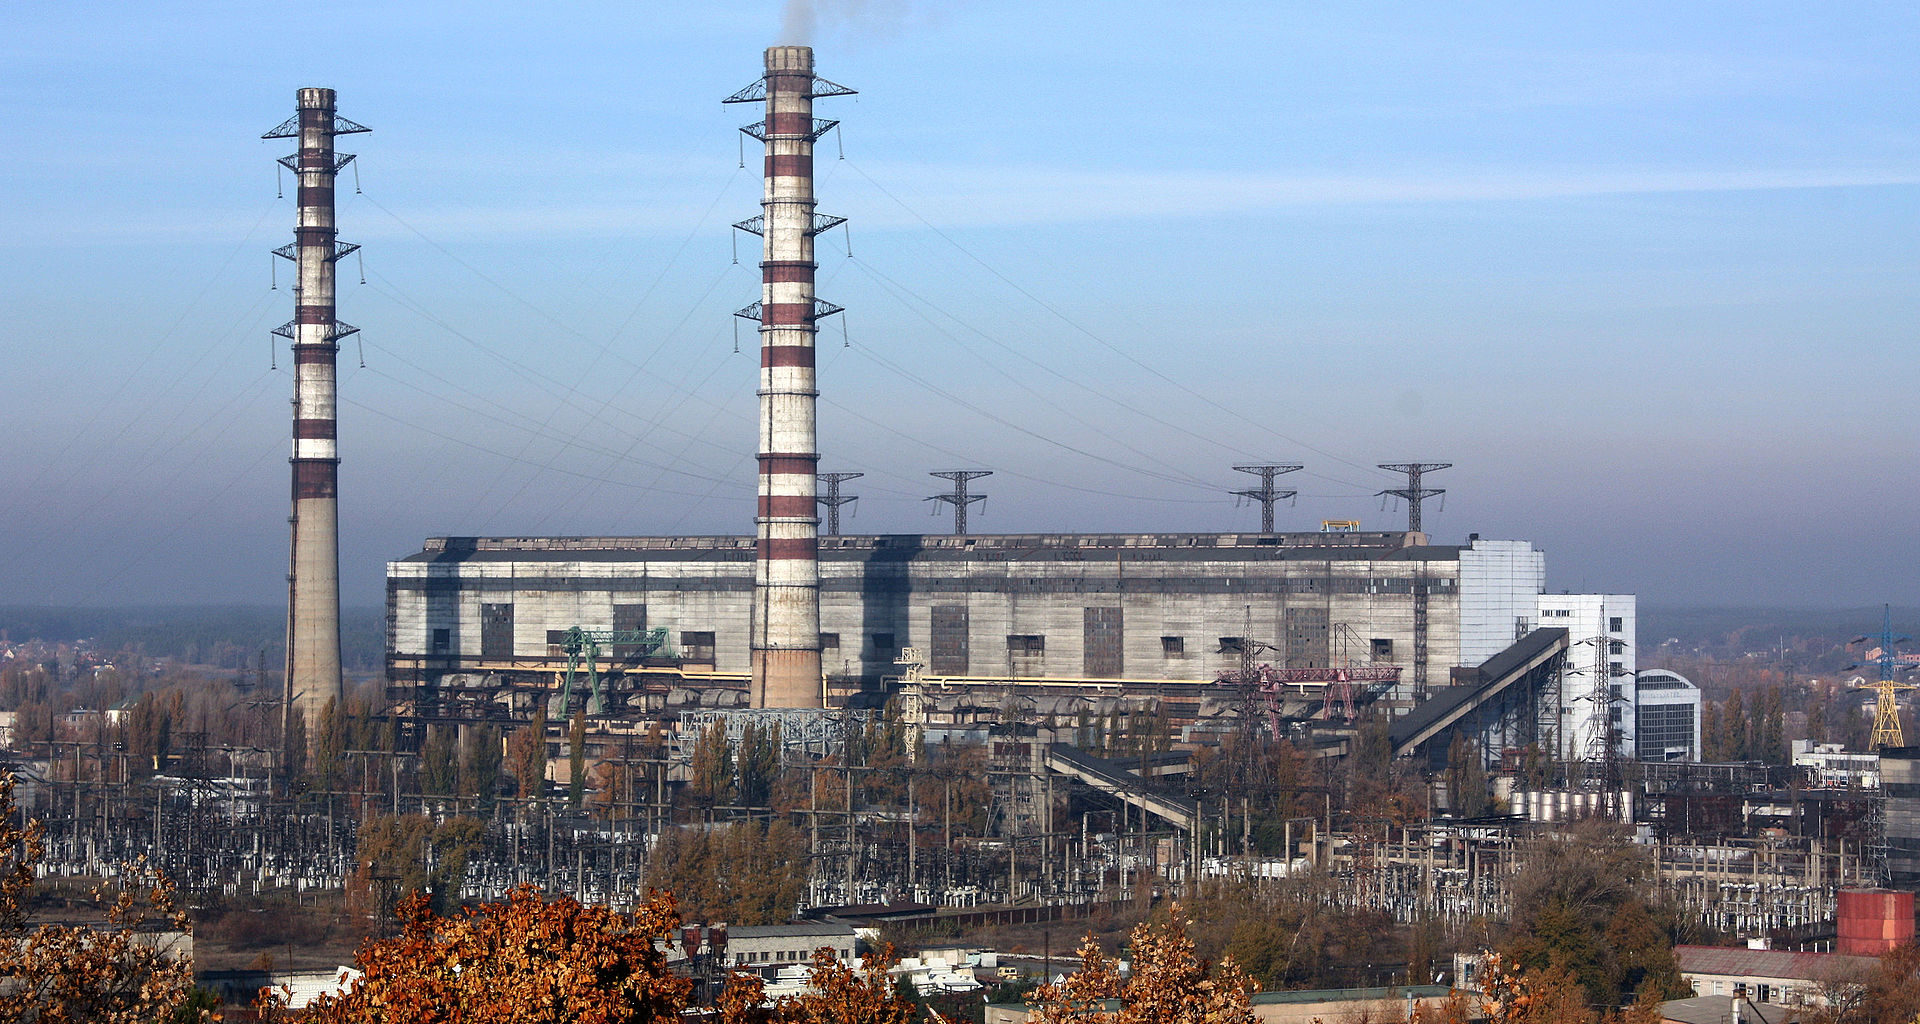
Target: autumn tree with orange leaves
[530,960]
[69,974]
[1168,984]
[525,960]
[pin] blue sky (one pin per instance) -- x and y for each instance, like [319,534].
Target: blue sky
[1647,274]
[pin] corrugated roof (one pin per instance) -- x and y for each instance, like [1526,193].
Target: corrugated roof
[781,931]
[893,547]
[1739,961]
[1719,1010]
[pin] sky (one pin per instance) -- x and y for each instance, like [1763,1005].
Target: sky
[1647,275]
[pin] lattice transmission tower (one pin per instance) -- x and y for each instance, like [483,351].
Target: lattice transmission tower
[960,497]
[1414,493]
[833,500]
[1265,493]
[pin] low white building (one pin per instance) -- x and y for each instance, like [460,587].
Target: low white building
[1831,764]
[765,949]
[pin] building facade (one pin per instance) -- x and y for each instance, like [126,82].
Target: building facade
[1039,606]
[1597,694]
[1666,716]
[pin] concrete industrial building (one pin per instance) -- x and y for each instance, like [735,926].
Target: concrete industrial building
[470,612]
[1056,606]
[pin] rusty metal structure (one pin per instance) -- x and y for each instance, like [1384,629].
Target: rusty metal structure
[786,588]
[313,577]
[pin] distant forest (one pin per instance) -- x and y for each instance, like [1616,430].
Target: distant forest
[222,636]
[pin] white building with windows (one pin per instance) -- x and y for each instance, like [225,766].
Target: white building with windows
[1597,691]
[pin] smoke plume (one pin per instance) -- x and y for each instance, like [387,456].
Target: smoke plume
[796,23]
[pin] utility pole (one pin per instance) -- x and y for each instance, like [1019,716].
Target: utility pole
[833,499]
[960,499]
[1414,492]
[1265,494]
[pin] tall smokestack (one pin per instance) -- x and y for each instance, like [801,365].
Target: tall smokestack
[313,579]
[786,584]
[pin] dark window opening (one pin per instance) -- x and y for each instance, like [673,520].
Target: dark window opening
[1615,624]
[1173,646]
[629,618]
[1232,644]
[1382,648]
[1026,643]
[442,640]
[949,654]
[696,645]
[1104,642]
[883,643]
[829,641]
[496,630]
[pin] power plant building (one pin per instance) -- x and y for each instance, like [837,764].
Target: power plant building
[1178,606]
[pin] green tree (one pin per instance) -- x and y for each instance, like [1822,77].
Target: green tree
[329,746]
[440,762]
[759,764]
[480,758]
[527,755]
[710,768]
[1770,742]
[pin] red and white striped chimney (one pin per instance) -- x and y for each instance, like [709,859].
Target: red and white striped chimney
[313,578]
[786,586]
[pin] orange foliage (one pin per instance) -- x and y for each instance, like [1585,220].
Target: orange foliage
[841,995]
[68,974]
[1168,984]
[524,961]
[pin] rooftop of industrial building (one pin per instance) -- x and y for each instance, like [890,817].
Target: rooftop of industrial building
[1397,546]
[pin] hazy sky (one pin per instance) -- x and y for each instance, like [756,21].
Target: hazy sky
[1648,274]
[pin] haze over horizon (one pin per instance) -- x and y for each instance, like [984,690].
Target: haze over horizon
[1646,275]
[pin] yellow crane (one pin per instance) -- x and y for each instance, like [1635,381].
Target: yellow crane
[1886,706]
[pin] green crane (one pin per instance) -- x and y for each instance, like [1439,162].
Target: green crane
[587,644]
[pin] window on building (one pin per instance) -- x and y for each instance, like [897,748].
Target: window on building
[1616,647]
[1663,732]
[883,643]
[829,641]
[1615,624]
[1382,648]
[629,618]
[496,630]
[442,640]
[1173,646]
[1103,650]
[1616,668]
[1308,638]
[949,641]
[1026,643]
[1232,644]
[1521,626]
[696,645]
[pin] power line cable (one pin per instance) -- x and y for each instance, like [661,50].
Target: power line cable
[1096,338]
